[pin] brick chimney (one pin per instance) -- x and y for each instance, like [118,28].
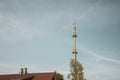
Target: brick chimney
[21,72]
[25,71]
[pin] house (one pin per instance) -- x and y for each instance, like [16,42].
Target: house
[29,76]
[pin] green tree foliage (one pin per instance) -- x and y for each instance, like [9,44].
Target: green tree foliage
[59,76]
[79,71]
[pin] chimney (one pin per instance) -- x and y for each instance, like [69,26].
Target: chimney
[25,71]
[21,72]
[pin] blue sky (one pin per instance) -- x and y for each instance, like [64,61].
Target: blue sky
[37,34]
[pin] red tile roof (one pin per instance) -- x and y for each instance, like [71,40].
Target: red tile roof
[29,76]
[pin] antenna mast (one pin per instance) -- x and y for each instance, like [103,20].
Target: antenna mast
[74,51]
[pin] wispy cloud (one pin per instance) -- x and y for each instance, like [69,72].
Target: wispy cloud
[14,68]
[98,56]
[7,68]
[89,10]
[101,70]
[14,29]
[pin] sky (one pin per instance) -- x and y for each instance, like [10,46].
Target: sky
[37,34]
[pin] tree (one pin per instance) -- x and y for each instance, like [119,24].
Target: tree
[59,76]
[79,70]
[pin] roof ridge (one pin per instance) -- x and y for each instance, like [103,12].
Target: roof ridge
[27,73]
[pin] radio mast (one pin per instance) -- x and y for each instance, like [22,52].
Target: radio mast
[74,51]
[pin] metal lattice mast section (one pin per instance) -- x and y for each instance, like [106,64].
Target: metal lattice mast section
[74,52]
